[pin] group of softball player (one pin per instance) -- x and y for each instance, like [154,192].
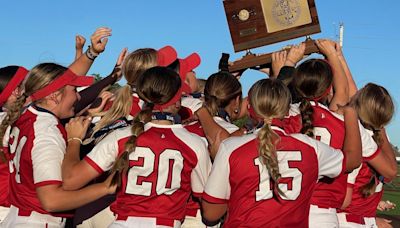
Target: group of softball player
[164,148]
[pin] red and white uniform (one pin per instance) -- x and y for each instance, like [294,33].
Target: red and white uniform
[361,211]
[37,145]
[329,129]
[193,208]
[167,165]
[241,180]
[4,176]
[329,193]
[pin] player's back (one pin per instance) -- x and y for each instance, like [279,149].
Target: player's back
[251,201]
[159,180]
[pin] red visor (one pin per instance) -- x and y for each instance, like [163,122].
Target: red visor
[67,78]
[166,56]
[185,66]
[173,100]
[15,81]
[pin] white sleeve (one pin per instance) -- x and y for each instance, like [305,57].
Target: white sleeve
[47,155]
[218,188]
[103,155]
[331,162]
[369,147]
[351,178]
[230,128]
[202,169]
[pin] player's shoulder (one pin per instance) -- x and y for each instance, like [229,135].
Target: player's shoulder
[40,121]
[118,134]
[325,112]
[186,136]
[229,127]
[305,140]
[233,143]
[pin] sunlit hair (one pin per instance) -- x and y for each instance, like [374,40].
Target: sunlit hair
[201,84]
[270,98]
[121,107]
[133,66]
[311,81]
[157,85]
[138,62]
[375,109]
[40,76]
[220,89]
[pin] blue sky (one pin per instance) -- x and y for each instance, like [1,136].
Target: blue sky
[41,31]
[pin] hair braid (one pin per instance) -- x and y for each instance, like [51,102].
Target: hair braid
[121,165]
[307,111]
[267,150]
[12,115]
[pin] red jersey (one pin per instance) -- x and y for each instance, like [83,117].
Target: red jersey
[360,206]
[167,165]
[37,146]
[329,128]
[241,180]
[4,171]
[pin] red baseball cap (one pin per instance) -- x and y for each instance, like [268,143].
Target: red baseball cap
[185,66]
[166,56]
[67,78]
[15,81]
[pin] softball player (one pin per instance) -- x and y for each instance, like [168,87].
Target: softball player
[266,179]
[154,162]
[37,145]
[11,78]
[364,192]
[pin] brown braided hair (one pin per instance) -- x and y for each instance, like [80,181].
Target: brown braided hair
[311,81]
[270,98]
[157,85]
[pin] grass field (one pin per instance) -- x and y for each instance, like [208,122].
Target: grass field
[392,193]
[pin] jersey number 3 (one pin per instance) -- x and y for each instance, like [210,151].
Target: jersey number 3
[170,165]
[292,190]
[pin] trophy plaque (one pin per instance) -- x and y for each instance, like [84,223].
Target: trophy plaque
[255,23]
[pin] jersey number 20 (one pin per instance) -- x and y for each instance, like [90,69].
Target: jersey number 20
[170,165]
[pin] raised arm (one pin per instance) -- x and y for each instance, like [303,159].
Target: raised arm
[340,84]
[98,44]
[79,44]
[352,141]
[352,85]
[89,94]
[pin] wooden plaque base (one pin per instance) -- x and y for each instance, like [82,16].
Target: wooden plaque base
[253,60]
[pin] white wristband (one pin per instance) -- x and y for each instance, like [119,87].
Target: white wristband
[75,138]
